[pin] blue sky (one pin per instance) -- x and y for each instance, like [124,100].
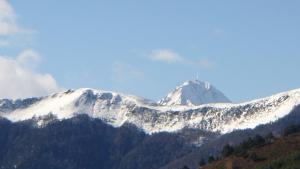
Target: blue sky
[247,49]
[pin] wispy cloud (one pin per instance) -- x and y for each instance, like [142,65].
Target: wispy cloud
[165,55]
[124,72]
[4,43]
[8,24]
[29,58]
[218,31]
[170,56]
[18,75]
[19,81]
[10,30]
[207,64]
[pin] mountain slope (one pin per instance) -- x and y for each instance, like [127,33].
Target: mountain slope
[193,93]
[196,131]
[117,109]
[85,143]
[278,154]
[215,145]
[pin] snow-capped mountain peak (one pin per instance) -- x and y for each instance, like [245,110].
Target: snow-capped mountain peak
[117,109]
[192,93]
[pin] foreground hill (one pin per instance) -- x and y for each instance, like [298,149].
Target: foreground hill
[266,153]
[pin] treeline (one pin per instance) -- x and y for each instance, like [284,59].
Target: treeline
[85,143]
[244,150]
[291,161]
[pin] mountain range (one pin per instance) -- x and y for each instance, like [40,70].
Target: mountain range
[195,120]
[194,105]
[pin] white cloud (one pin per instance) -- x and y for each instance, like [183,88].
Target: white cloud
[18,76]
[168,56]
[18,81]
[165,55]
[218,31]
[11,33]
[206,64]
[8,25]
[29,58]
[123,72]
[4,43]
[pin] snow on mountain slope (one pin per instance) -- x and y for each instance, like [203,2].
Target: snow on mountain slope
[7,105]
[67,104]
[117,109]
[194,92]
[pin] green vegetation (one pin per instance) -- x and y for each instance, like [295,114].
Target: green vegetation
[291,129]
[201,162]
[185,167]
[262,152]
[227,150]
[211,159]
[291,161]
[85,143]
[242,149]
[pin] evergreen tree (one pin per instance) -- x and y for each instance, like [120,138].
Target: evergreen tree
[185,167]
[270,138]
[227,150]
[211,159]
[201,162]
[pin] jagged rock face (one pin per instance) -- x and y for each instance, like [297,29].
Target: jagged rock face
[7,105]
[117,109]
[194,93]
